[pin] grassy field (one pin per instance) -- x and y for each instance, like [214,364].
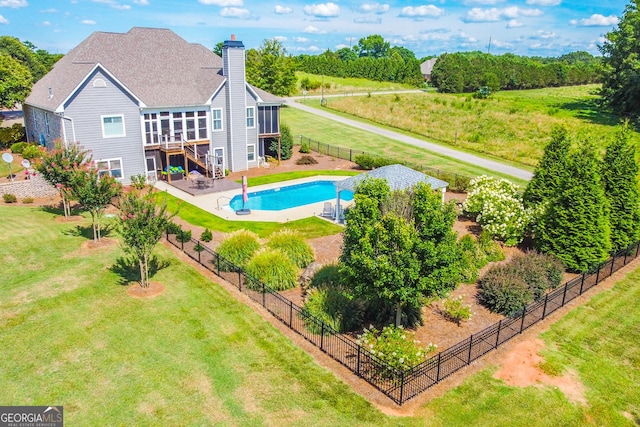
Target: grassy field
[70,335]
[512,125]
[333,133]
[348,85]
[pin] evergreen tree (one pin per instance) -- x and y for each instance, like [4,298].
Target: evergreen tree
[551,170]
[620,180]
[286,143]
[575,227]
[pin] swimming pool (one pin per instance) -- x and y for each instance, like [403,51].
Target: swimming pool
[290,196]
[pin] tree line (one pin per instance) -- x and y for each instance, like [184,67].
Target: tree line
[469,71]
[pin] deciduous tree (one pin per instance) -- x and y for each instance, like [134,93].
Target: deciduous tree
[15,81]
[270,68]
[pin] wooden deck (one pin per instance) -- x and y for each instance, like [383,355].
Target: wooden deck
[207,186]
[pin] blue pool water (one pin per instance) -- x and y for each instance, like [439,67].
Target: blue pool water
[290,196]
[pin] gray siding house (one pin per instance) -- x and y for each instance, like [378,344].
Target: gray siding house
[147,101]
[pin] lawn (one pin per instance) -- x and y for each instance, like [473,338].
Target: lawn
[330,132]
[511,125]
[70,335]
[346,85]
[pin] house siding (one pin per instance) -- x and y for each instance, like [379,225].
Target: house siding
[35,122]
[87,107]
[236,111]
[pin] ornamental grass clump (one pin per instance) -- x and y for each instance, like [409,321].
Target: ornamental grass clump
[293,245]
[238,248]
[456,310]
[395,346]
[273,268]
[496,205]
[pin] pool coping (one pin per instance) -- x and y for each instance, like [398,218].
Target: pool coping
[218,203]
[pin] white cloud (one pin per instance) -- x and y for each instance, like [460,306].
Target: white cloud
[88,22]
[501,45]
[368,20]
[485,2]
[141,2]
[301,40]
[46,23]
[114,4]
[323,10]
[14,4]
[421,12]
[49,11]
[235,12]
[280,38]
[544,2]
[495,14]
[282,10]
[373,8]
[3,20]
[514,23]
[313,30]
[543,35]
[596,20]
[222,3]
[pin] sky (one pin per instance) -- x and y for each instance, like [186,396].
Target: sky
[547,28]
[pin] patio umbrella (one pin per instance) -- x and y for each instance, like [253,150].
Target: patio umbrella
[245,197]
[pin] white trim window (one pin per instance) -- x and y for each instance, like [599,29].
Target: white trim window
[111,167]
[251,117]
[113,126]
[216,117]
[46,123]
[251,152]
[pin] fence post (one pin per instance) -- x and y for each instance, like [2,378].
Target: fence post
[239,280]
[564,294]
[358,361]
[181,243]
[613,261]
[199,252]
[582,283]
[470,344]
[264,296]
[350,155]
[322,336]
[598,274]
[625,257]
[438,371]
[524,313]
[401,386]
[498,333]
[290,313]
[637,249]
[544,310]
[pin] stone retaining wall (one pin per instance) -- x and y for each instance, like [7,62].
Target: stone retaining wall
[35,187]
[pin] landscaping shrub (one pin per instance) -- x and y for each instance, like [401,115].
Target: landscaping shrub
[18,147]
[198,247]
[365,161]
[306,160]
[328,275]
[206,235]
[507,288]
[273,268]
[396,346]
[502,292]
[11,135]
[334,307]
[173,228]
[383,312]
[27,199]
[304,148]
[31,152]
[456,310]
[238,248]
[9,198]
[490,248]
[293,245]
[183,236]
[476,253]
[139,182]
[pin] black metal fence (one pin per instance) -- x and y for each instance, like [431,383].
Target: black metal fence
[398,385]
[456,181]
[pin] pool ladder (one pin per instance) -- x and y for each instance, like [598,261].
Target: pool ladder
[226,204]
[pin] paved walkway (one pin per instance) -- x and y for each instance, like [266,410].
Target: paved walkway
[440,149]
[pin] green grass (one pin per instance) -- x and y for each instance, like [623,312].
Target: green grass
[511,125]
[70,335]
[348,85]
[308,227]
[16,167]
[330,132]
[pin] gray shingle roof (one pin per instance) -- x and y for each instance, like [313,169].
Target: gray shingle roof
[159,67]
[399,178]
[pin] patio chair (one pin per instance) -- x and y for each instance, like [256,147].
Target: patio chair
[328,211]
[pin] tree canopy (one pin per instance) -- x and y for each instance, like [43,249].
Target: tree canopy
[15,81]
[621,72]
[270,68]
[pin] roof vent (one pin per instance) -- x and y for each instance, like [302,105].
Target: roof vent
[99,83]
[50,92]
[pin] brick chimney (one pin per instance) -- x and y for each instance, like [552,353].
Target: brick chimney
[233,68]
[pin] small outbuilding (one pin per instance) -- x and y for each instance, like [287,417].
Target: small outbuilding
[399,177]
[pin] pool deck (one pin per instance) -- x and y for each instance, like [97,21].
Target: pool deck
[217,203]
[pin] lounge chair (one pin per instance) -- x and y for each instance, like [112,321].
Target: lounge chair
[328,211]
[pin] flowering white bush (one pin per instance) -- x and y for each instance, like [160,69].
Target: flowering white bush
[497,206]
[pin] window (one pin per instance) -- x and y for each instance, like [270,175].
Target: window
[46,123]
[217,119]
[151,128]
[251,153]
[177,126]
[111,167]
[251,117]
[112,126]
[202,125]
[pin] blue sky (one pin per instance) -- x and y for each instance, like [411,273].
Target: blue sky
[522,27]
